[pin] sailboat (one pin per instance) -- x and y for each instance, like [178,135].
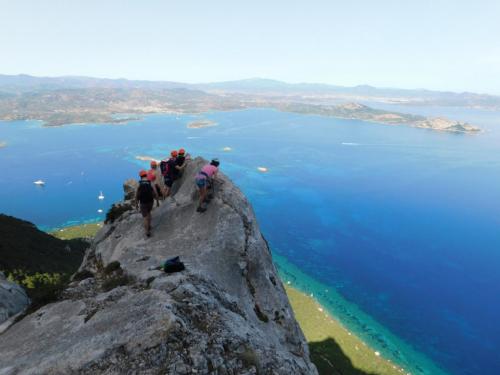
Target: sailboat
[101,196]
[39,183]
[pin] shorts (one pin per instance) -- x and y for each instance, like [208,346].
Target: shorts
[146,208]
[201,182]
[169,181]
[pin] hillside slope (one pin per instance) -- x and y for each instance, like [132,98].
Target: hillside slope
[25,247]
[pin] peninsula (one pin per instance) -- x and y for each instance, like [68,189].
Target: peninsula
[356,111]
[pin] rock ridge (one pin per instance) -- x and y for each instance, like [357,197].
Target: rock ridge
[227,313]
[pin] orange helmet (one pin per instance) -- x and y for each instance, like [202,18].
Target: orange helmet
[153,164]
[174,153]
[143,173]
[182,151]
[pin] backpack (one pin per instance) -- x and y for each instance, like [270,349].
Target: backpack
[164,167]
[151,175]
[145,192]
[173,265]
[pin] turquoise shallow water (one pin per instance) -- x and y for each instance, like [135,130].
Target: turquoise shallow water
[399,224]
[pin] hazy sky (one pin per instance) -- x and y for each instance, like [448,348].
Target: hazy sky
[438,44]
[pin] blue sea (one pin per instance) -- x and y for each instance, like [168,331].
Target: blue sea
[395,230]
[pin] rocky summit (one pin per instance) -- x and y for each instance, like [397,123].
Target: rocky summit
[226,313]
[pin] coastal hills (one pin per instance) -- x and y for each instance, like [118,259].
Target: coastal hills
[227,313]
[70,100]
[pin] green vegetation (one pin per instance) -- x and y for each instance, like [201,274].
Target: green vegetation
[42,288]
[41,263]
[87,231]
[25,247]
[335,350]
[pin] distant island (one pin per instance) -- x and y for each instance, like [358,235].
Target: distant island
[3,144]
[201,124]
[145,158]
[57,101]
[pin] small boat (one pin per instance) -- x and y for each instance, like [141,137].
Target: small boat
[99,211]
[262,169]
[39,183]
[101,196]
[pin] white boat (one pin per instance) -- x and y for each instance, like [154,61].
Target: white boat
[101,196]
[39,183]
[99,211]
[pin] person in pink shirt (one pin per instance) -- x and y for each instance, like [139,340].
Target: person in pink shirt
[204,181]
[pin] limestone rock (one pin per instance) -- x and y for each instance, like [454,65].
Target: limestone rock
[129,189]
[13,299]
[227,313]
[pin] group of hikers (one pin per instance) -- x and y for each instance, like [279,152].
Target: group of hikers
[156,183]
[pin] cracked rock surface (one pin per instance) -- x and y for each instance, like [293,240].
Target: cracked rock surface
[227,313]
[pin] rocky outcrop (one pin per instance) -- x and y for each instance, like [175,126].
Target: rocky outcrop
[13,299]
[227,313]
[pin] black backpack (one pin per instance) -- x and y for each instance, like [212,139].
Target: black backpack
[145,192]
[171,163]
[173,265]
[164,167]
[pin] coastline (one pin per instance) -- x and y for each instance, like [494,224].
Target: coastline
[333,348]
[86,230]
[372,334]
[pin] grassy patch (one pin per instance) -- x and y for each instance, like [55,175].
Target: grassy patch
[77,231]
[335,350]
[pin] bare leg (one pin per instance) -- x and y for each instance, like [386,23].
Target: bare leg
[203,194]
[147,224]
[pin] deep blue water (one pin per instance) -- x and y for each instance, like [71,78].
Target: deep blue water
[401,225]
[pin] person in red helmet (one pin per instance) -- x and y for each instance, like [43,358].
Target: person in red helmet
[169,170]
[144,200]
[155,178]
[181,162]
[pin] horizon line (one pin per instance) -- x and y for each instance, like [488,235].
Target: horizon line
[331,85]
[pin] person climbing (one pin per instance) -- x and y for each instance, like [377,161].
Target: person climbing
[144,200]
[181,162]
[155,178]
[205,180]
[168,170]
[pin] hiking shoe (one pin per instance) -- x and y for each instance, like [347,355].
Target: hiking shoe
[201,209]
[210,196]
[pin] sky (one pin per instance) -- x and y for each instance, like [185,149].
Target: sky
[439,44]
